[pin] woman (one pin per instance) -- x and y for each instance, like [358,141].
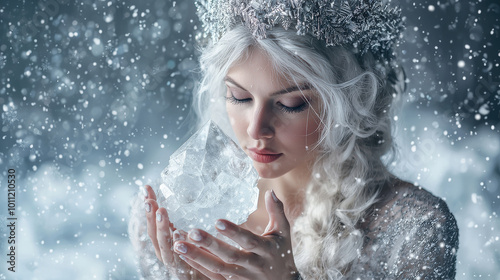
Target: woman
[313,110]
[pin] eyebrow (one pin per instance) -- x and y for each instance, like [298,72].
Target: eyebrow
[283,91]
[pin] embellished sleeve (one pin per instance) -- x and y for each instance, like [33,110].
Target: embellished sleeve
[149,266]
[414,236]
[429,248]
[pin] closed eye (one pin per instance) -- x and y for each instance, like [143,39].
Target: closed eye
[237,101]
[295,109]
[281,107]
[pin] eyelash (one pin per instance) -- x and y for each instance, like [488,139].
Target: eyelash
[282,107]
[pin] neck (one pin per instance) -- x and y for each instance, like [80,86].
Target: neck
[290,189]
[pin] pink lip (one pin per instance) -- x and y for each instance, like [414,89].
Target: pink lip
[263,155]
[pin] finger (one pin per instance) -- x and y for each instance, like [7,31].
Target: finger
[229,254]
[245,238]
[207,260]
[182,269]
[278,223]
[149,192]
[164,237]
[151,206]
[186,265]
[205,272]
[180,235]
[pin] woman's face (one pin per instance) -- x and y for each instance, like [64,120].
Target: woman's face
[275,120]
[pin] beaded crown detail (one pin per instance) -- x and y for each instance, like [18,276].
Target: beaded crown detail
[365,25]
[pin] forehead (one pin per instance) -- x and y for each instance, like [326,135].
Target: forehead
[256,68]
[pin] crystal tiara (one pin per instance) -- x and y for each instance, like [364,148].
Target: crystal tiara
[364,25]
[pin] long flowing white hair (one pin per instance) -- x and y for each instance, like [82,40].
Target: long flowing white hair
[357,98]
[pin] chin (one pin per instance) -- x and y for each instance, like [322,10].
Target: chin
[269,170]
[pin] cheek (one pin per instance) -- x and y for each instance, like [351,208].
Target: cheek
[302,132]
[237,120]
[313,130]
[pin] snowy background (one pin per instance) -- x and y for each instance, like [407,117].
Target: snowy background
[95,96]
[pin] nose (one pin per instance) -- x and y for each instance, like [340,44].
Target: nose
[260,126]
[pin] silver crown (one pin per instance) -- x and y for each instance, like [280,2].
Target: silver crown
[364,25]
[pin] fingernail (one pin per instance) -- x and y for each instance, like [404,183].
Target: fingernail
[178,236]
[181,248]
[268,227]
[158,216]
[220,225]
[195,235]
[144,192]
[275,198]
[182,257]
[147,206]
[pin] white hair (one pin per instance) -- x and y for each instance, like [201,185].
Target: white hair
[349,172]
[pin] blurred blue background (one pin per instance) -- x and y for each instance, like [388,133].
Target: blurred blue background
[95,96]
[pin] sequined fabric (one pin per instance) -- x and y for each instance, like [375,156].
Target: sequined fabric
[413,235]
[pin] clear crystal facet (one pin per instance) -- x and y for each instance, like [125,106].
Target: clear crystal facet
[208,178]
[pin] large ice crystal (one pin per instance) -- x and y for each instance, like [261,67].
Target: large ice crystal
[208,178]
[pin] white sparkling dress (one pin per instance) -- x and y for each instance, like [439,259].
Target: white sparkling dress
[411,235]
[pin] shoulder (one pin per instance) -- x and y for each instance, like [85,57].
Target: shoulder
[429,214]
[406,207]
[404,200]
[412,232]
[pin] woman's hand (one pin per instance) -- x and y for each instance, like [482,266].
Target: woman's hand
[268,256]
[163,234]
